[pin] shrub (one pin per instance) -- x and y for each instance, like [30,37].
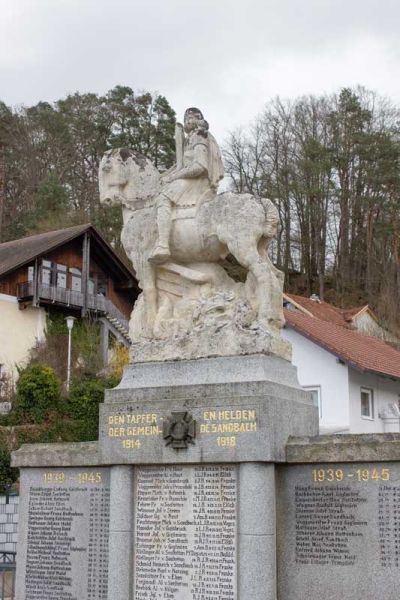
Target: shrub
[83,405]
[86,358]
[8,475]
[38,393]
[119,360]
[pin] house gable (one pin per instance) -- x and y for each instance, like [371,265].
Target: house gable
[59,259]
[361,318]
[372,372]
[72,272]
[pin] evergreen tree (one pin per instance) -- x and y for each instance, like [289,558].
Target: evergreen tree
[52,154]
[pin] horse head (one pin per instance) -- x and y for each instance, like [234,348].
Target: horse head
[127,177]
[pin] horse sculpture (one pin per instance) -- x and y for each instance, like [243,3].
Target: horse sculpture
[239,224]
[176,232]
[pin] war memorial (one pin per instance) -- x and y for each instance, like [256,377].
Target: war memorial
[209,480]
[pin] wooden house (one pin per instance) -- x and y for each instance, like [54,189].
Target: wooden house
[74,271]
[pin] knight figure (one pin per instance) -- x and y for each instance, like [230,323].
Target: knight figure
[193,179]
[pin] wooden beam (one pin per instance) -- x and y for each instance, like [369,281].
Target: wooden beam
[125,285]
[35,299]
[85,272]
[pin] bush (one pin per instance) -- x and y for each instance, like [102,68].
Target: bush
[83,405]
[38,393]
[86,360]
[8,475]
[119,360]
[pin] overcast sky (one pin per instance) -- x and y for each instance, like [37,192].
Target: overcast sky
[228,57]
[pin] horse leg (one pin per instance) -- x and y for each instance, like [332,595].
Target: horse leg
[150,297]
[147,281]
[269,285]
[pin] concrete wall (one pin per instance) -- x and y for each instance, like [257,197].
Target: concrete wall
[317,367]
[19,332]
[385,392]
[337,523]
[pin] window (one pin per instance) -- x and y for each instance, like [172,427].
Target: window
[102,287]
[316,397]
[91,287]
[46,272]
[76,279]
[61,276]
[97,284]
[367,403]
[31,271]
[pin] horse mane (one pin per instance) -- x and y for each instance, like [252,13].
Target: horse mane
[126,153]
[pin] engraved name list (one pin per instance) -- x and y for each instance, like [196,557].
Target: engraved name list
[185,524]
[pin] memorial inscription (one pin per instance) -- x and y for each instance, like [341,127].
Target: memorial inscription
[217,427]
[389,525]
[185,532]
[333,521]
[327,525]
[65,553]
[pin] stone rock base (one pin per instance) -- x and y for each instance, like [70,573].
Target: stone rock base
[227,341]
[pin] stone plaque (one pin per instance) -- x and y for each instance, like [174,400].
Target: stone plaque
[63,534]
[221,433]
[185,532]
[339,531]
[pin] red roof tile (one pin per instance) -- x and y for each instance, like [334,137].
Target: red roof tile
[321,310]
[364,352]
[328,312]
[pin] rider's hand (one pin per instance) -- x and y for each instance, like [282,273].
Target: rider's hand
[170,177]
[167,176]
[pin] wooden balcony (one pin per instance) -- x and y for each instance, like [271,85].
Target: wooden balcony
[52,294]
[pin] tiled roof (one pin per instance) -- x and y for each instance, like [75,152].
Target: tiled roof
[363,352]
[326,312]
[16,253]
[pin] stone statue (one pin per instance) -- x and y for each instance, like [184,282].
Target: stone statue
[194,179]
[176,232]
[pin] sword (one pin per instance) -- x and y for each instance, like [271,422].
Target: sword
[179,142]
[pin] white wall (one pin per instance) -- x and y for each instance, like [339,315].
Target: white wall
[385,392]
[317,367]
[19,332]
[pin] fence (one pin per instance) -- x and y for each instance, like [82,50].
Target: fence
[7,575]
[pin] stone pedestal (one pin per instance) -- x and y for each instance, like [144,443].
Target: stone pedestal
[187,451]
[245,409]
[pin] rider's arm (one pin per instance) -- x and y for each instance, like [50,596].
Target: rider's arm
[169,171]
[197,168]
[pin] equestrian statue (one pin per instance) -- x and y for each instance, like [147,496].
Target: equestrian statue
[177,230]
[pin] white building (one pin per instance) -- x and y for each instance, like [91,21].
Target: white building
[19,333]
[354,377]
